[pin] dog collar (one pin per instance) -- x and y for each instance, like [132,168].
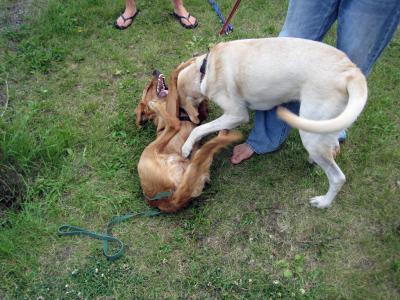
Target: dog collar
[183,116]
[203,68]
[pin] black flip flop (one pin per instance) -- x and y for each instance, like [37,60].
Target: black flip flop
[179,18]
[126,19]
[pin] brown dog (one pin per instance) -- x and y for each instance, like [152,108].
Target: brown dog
[168,180]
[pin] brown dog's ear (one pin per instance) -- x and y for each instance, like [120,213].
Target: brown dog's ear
[139,114]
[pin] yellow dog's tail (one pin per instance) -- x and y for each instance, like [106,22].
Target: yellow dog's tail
[358,94]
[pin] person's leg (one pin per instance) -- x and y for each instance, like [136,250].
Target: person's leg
[273,129]
[309,19]
[267,135]
[126,19]
[180,10]
[365,28]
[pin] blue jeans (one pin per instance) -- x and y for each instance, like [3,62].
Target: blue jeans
[364,29]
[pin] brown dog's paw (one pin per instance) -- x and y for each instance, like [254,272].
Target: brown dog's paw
[165,205]
[168,207]
[223,132]
[194,119]
[175,124]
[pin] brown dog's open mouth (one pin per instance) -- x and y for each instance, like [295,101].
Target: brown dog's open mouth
[162,88]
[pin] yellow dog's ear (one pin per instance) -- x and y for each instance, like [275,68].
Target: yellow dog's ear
[173,95]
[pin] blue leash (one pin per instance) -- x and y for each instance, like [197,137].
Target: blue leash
[229,28]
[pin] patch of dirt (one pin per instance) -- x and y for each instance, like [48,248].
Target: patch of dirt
[12,17]
[14,14]
[12,187]
[271,223]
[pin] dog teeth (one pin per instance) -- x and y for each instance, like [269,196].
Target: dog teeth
[161,86]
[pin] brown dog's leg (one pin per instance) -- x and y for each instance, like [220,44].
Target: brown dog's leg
[191,111]
[172,126]
[197,172]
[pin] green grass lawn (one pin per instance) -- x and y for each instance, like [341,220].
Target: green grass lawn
[69,150]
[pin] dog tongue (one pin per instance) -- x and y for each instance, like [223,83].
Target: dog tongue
[163,93]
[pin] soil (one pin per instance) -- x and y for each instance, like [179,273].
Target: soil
[12,187]
[14,14]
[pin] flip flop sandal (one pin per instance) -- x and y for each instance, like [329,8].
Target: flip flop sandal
[126,19]
[179,18]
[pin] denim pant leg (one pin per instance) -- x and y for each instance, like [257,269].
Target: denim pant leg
[269,132]
[309,19]
[365,28]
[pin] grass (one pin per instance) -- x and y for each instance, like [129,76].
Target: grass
[69,139]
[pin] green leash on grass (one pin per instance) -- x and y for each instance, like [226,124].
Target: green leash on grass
[107,236]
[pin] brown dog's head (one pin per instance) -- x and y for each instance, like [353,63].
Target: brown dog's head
[156,90]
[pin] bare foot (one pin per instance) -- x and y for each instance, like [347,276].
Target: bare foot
[126,19]
[241,152]
[181,11]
